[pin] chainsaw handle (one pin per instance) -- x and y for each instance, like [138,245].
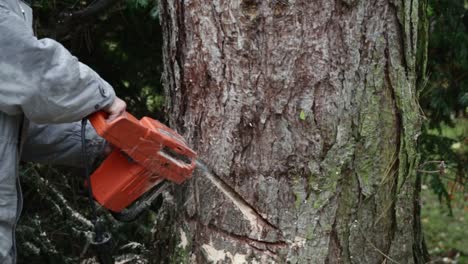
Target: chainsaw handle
[99,121]
[99,114]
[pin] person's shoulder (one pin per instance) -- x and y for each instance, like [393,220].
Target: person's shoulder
[12,6]
[4,7]
[6,10]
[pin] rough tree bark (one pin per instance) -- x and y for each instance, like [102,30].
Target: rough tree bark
[307,111]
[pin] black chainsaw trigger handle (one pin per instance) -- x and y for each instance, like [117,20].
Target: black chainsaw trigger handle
[148,200]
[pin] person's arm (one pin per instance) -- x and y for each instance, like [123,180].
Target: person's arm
[60,144]
[41,79]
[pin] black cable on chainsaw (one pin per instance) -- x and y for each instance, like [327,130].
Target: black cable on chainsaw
[84,156]
[101,237]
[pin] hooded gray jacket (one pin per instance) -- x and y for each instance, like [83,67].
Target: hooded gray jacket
[40,83]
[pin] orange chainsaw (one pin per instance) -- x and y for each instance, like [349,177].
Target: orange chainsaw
[146,153]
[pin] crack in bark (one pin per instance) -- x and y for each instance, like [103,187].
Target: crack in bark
[221,45]
[399,129]
[335,249]
[179,58]
[314,104]
[411,26]
[400,34]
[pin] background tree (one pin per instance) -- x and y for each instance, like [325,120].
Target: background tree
[307,113]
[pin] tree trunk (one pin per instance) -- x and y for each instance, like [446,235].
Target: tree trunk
[307,113]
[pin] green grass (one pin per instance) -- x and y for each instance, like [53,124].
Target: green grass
[442,232]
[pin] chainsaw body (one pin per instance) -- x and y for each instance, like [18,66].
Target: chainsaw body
[145,154]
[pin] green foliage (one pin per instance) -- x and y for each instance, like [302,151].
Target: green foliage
[444,98]
[139,4]
[123,44]
[127,53]
[446,94]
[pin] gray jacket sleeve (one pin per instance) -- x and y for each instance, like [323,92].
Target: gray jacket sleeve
[60,144]
[41,79]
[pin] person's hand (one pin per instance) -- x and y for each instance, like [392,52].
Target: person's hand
[116,109]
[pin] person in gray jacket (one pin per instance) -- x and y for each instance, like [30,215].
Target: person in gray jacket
[43,89]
